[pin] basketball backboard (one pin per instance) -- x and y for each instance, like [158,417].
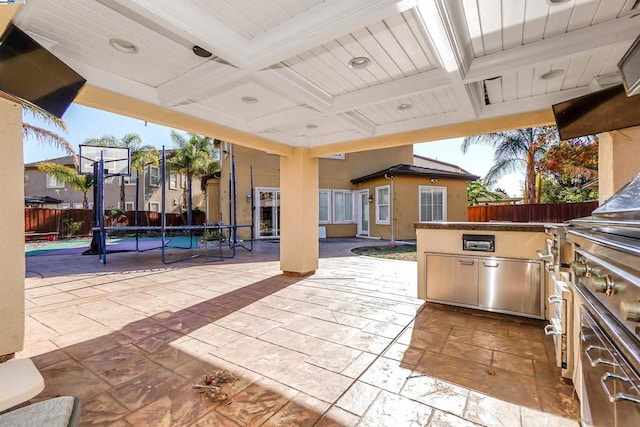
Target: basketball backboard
[116,159]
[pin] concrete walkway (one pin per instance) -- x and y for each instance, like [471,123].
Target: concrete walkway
[349,345]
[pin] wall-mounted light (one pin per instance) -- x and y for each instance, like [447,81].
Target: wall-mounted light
[434,180]
[370,198]
[248,197]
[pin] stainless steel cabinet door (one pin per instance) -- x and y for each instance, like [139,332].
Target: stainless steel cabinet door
[452,279]
[509,285]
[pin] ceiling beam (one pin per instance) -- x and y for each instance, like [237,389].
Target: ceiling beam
[517,121]
[108,101]
[429,80]
[319,25]
[564,45]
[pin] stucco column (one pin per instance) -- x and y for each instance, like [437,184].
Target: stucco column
[299,248]
[618,154]
[12,262]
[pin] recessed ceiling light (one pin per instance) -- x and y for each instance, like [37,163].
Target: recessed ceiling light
[311,126]
[201,52]
[123,46]
[249,99]
[552,74]
[404,106]
[359,62]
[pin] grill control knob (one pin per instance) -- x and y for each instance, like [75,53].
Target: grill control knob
[630,310]
[599,284]
[603,285]
[579,268]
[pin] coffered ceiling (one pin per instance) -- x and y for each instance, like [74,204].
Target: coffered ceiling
[283,69]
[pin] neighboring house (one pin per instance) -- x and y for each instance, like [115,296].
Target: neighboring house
[39,185]
[376,194]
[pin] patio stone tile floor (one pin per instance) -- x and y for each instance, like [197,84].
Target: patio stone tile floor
[350,345]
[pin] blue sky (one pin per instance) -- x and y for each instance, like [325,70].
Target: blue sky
[84,123]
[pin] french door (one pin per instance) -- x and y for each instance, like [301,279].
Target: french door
[268,209]
[362,212]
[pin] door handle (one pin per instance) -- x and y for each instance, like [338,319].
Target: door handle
[599,360]
[496,265]
[551,330]
[618,397]
[466,262]
[554,299]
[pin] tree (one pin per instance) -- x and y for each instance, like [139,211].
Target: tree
[567,167]
[477,190]
[195,155]
[516,150]
[45,136]
[141,155]
[62,173]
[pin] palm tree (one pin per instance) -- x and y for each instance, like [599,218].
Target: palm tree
[196,155]
[45,136]
[141,155]
[516,150]
[62,173]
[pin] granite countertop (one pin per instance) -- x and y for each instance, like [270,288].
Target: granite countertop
[483,226]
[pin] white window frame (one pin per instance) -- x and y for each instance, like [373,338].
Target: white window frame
[431,188]
[129,179]
[379,204]
[173,180]
[183,180]
[328,215]
[153,169]
[153,205]
[129,206]
[52,182]
[343,193]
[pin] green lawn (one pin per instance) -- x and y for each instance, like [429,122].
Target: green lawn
[391,251]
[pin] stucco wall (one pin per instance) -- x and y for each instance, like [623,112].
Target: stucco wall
[333,174]
[12,261]
[617,160]
[405,204]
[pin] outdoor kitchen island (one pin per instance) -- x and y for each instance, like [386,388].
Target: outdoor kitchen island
[492,266]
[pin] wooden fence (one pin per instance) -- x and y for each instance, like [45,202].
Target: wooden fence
[542,212]
[41,220]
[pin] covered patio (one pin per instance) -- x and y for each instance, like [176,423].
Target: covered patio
[351,345]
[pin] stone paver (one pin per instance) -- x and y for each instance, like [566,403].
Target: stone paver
[349,345]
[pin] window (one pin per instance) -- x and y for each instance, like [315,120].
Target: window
[64,206]
[173,181]
[52,182]
[324,206]
[342,206]
[433,203]
[183,180]
[129,180]
[129,206]
[154,206]
[154,176]
[382,204]
[78,206]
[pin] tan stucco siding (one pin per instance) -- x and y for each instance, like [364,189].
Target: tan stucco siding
[618,160]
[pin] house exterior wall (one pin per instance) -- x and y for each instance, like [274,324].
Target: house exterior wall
[405,204]
[617,160]
[35,184]
[333,174]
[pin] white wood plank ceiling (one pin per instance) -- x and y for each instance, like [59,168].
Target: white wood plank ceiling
[280,68]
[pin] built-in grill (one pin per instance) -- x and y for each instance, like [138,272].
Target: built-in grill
[606,281]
